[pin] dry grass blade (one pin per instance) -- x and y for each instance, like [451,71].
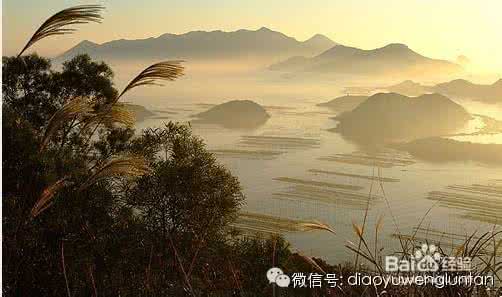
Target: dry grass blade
[122,113]
[351,246]
[358,230]
[61,22]
[378,227]
[116,113]
[131,166]
[167,71]
[312,262]
[45,199]
[315,226]
[379,224]
[76,108]
[459,250]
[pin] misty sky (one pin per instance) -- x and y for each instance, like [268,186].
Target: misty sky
[436,28]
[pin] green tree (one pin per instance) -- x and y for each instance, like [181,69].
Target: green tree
[51,195]
[33,90]
[187,201]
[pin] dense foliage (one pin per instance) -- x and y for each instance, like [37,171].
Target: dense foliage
[82,218]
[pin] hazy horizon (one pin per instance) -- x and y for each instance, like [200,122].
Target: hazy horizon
[443,30]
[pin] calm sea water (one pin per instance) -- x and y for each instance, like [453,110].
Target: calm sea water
[279,173]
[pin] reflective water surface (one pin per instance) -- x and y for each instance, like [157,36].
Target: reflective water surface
[293,169]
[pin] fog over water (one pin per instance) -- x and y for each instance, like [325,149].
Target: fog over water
[294,167]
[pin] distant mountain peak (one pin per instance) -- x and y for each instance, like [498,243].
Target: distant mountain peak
[318,37]
[406,83]
[396,49]
[461,88]
[396,46]
[82,47]
[394,58]
[86,42]
[265,29]
[460,81]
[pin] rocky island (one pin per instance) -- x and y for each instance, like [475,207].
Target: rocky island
[235,114]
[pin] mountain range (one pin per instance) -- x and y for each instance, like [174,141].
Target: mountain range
[318,54]
[458,88]
[465,89]
[203,45]
[394,58]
